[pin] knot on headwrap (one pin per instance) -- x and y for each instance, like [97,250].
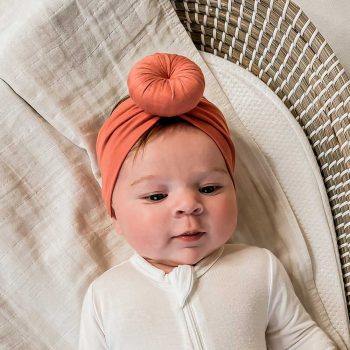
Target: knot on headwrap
[166,84]
[159,85]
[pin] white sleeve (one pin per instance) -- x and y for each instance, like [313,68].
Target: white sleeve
[91,335]
[289,325]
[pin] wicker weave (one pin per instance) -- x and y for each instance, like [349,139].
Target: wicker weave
[277,42]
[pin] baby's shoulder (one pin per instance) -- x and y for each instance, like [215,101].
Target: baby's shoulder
[113,278]
[247,257]
[241,250]
[245,270]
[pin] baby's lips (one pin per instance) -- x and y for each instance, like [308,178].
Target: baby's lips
[190,233]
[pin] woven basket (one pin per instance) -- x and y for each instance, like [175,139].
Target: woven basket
[277,42]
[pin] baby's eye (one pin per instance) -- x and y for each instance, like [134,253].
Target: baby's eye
[209,189]
[156,197]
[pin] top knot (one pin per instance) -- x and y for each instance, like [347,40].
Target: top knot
[166,84]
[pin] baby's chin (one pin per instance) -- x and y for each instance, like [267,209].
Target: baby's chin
[193,257]
[192,260]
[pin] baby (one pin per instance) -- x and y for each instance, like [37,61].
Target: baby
[167,183]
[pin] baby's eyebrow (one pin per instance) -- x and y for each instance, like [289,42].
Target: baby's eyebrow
[143,178]
[201,173]
[218,170]
[213,170]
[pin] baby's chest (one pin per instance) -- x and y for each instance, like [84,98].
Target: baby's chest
[232,313]
[214,316]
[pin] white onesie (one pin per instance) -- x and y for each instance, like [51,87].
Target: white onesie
[239,297]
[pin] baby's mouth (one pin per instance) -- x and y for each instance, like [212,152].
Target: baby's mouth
[190,235]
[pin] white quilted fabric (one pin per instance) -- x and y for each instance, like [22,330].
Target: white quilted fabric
[282,200]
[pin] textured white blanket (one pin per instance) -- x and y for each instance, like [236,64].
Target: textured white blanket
[63,66]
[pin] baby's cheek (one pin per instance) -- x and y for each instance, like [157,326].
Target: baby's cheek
[145,235]
[229,212]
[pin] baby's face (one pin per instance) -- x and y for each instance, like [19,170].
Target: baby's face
[175,202]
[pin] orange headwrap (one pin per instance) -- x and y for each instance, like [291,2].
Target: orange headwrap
[160,85]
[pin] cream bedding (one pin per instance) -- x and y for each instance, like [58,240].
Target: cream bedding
[63,66]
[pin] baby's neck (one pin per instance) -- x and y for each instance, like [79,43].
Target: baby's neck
[164,267]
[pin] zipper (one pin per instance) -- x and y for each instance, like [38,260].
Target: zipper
[193,328]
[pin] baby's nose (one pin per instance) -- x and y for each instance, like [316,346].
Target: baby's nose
[188,204]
